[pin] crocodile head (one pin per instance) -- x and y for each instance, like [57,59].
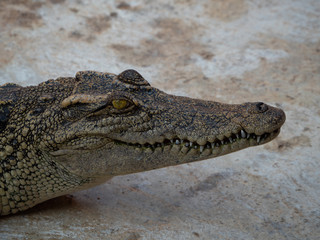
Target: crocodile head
[72,133]
[118,124]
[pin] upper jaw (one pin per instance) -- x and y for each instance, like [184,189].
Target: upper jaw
[247,140]
[196,136]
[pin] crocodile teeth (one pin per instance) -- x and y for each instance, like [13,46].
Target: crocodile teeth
[258,139]
[201,148]
[243,134]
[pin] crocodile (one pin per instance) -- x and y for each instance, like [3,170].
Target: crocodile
[73,133]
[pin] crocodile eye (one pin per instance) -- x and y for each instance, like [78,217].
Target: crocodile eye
[119,104]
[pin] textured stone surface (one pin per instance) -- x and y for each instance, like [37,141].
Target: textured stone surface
[231,51]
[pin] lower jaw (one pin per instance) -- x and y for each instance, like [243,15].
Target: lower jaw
[181,153]
[204,151]
[131,159]
[177,147]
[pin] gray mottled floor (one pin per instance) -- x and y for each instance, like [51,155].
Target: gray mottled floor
[231,51]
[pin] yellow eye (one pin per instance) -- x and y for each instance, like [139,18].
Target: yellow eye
[119,104]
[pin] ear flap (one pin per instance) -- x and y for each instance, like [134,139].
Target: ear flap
[92,82]
[132,77]
[7,99]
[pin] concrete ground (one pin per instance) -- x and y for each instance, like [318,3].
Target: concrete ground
[230,51]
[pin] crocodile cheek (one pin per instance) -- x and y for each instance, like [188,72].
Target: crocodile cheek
[81,143]
[86,164]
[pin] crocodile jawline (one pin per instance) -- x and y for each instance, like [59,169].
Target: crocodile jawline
[251,138]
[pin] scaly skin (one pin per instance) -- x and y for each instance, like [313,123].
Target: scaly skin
[69,134]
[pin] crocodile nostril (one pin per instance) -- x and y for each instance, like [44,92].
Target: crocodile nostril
[261,107]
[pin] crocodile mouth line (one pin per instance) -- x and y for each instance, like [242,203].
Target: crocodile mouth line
[251,138]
